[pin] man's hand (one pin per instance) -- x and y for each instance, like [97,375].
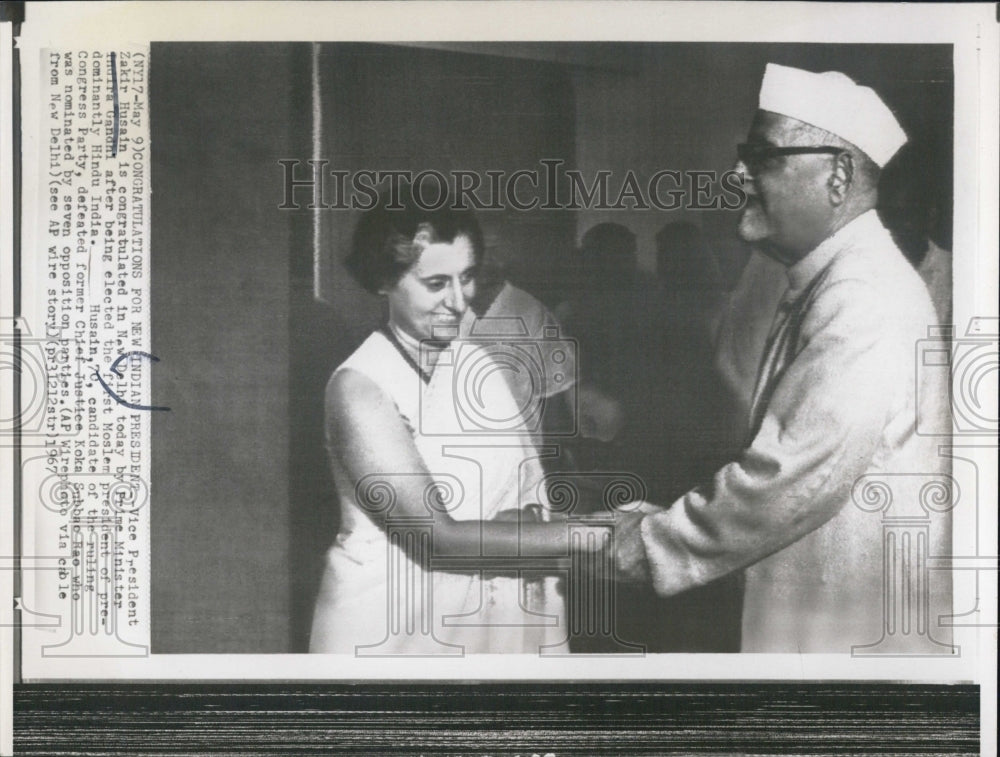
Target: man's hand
[631,565]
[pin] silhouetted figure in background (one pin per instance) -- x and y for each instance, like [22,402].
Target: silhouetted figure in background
[647,347]
[609,314]
[910,207]
[600,312]
[683,435]
[684,261]
[690,413]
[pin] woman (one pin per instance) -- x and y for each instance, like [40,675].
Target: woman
[419,481]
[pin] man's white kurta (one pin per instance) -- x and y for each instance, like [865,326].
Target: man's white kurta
[834,411]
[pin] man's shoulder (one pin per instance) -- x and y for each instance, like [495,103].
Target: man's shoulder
[870,293]
[514,302]
[874,273]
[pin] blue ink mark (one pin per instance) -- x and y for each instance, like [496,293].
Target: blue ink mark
[117,371]
[114,89]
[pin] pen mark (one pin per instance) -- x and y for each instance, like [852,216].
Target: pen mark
[114,90]
[117,371]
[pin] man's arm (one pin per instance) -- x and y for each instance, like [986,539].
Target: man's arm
[818,435]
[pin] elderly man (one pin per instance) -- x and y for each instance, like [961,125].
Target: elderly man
[835,405]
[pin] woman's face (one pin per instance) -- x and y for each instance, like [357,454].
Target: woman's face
[429,300]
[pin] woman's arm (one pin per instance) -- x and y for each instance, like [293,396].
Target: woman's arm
[368,437]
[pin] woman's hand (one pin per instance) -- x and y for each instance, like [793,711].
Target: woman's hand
[527,514]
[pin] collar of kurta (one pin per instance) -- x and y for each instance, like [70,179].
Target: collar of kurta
[865,226]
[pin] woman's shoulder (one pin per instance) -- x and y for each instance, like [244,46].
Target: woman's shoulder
[375,368]
[369,357]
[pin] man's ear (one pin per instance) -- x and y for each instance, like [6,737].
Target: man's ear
[841,178]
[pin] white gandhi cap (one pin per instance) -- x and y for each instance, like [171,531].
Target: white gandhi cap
[833,102]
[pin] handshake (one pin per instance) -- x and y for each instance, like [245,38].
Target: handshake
[537,514]
[623,526]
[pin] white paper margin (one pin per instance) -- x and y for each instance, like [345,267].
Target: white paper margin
[971,28]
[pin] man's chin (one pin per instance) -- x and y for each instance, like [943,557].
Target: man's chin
[752,230]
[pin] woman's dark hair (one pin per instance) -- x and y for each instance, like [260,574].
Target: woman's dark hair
[388,240]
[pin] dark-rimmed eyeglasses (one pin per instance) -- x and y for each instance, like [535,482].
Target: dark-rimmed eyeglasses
[755,156]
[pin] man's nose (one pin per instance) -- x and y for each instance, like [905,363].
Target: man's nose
[741,168]
[455,299]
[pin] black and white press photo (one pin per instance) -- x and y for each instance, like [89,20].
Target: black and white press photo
[549,348]
[499,377]
[442,354]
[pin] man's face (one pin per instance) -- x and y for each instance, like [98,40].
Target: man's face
[788,210]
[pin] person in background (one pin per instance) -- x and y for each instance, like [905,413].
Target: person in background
[686,266]
[608,316]
[604,311]
[541,367]
[541,372]
[646,346]
[909,205]
[688,408]
[683,434]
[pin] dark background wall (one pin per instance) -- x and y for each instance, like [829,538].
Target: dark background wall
[222,116]
[242,507]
